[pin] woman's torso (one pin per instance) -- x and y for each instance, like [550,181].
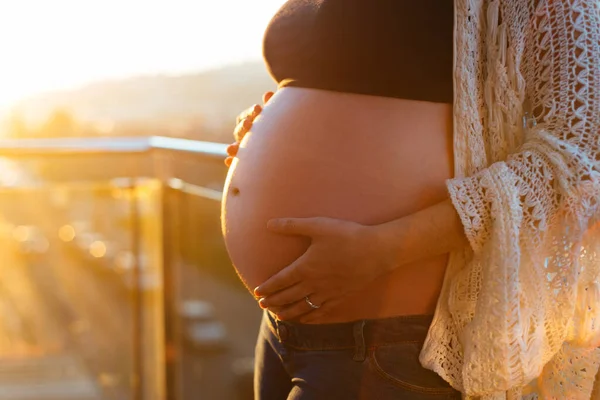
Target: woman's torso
[362,158]
[360,129]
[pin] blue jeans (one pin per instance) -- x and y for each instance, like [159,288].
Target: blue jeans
[367,359]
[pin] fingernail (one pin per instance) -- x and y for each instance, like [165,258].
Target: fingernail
[262,303]
[257,291]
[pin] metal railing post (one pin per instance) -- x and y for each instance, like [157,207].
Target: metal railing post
[138,310]
[170,255]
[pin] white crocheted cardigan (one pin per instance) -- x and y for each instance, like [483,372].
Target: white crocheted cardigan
[519,313]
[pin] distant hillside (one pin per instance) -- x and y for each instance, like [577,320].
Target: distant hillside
[213,97]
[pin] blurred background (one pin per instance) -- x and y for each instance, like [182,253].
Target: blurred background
[114,119]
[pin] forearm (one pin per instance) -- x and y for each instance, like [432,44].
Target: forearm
[430,232]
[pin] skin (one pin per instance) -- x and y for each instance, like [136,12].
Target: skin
[345,256]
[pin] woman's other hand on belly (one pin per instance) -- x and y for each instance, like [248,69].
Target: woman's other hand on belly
[243,124]
[343,258]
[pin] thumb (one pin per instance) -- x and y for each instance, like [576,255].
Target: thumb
[300,226]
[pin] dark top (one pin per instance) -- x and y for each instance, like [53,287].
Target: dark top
[390,48]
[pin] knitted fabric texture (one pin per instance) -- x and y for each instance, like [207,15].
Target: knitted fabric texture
[519,313]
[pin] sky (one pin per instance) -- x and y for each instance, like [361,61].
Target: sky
[55,44]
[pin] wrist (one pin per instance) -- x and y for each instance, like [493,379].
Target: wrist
[386,242]
[427,233]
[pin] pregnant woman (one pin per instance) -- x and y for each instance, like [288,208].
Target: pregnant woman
[421,190]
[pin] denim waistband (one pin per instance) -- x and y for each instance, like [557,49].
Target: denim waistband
[348,335]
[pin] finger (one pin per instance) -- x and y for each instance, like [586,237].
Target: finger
[255,111]
[300,226]
[251,112]
[267,96]
[241,129]
[287,277]
[318,314]
[315,299]
[276,310]
[287,296]
[228,161]
[242,116]
[233,148]
[298,309]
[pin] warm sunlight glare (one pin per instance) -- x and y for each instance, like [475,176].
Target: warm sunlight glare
[98,249]
[55,44]
[66,233]
[21,233]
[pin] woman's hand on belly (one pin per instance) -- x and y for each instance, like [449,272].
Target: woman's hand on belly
[243,124]
[343,258]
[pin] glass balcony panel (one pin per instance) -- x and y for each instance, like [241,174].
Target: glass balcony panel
[80,291]
[114,276]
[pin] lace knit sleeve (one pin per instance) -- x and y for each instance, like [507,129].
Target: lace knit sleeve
[559,159]
[530,300]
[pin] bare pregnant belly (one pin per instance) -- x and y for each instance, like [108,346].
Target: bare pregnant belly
[361,158]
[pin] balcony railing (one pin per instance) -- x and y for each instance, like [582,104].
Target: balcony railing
[115,280]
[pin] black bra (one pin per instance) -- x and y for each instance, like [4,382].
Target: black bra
[390,48]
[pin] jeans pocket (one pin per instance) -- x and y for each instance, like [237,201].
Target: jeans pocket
[399,364]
